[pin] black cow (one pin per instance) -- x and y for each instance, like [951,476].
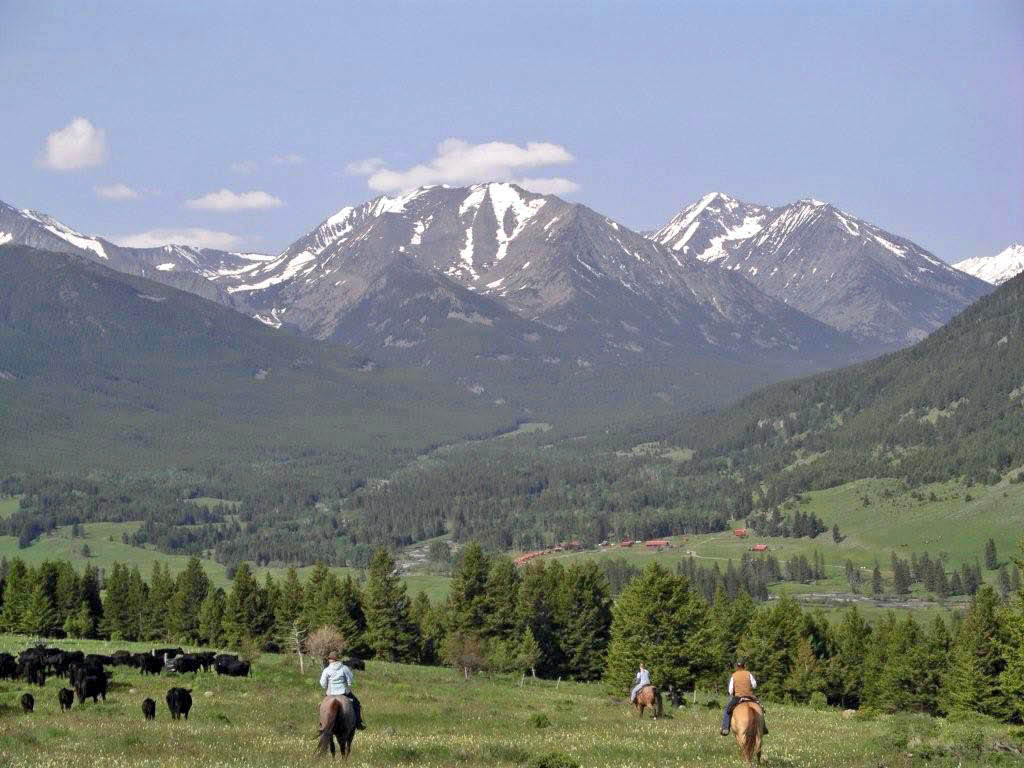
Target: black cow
[207,659]
[8,667]
[98,660]
[66,697]
[149,664]
[91,687]
[234,668]
[123,659]
[33,671]
[27,702]
[179,702]
[225,657]
[355,663]
[182,664]
[149,709]
[79,672]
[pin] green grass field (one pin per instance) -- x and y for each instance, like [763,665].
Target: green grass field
[8,505]
[424,716]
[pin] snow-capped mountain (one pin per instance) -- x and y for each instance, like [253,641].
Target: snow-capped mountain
[196,270]
[996,269]
[839,269]
[560,266]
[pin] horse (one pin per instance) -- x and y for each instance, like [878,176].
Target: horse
[337,721]
[747,726]
[648,696]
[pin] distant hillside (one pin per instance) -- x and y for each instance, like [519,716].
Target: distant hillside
[952,405]
[102,369]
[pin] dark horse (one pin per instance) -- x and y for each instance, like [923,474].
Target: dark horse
[337,721]
[648,696]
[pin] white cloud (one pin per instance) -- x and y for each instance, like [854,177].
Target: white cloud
[194,236]
[226,200]
[289,159]
[459,162]
[550,186]
[77,145]
[365,167]
[117,191]
[245,166]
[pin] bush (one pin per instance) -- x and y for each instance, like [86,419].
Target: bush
[554,760]
[324,640]
[539,720]
[818,700]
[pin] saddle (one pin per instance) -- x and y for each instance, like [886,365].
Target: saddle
[752,700]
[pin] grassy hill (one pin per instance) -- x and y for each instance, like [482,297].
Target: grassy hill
[429,716]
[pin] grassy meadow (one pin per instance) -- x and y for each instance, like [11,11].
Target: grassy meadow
[427,716]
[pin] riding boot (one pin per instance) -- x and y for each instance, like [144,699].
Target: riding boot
[360,725]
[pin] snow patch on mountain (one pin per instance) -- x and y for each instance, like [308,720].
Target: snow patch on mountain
[996,269]
[5,237]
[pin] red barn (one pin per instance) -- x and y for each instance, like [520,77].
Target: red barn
[759,548]
[626,543]
[657,544]
[739,532]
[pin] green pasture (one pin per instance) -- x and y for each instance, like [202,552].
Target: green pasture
[8,505]
[430,716]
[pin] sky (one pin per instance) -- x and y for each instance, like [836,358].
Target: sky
[244,125]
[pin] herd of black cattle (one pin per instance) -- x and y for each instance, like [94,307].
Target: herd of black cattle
[89,677]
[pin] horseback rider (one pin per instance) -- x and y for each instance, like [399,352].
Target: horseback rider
[741,686]
[642,679]
[336,680]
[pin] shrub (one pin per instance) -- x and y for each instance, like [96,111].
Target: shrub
[539,720]
[818,700]
[324,640]
[554,760]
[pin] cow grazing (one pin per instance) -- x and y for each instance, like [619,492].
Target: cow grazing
[28,702]
[179,702]
[32,670]
[234,668]
[8,667]
[148,664]
[66,697]
[167,653]
[149,709]
[185,663]
[207,659]
[91,687]
[354,663]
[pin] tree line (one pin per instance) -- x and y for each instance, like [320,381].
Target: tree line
[553,621]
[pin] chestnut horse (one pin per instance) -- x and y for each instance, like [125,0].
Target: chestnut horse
[337,721]
[747,726]
[648,696]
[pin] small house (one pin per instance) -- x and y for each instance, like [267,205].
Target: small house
[759,548]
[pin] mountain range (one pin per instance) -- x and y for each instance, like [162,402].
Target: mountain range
[839,269]
[523,298]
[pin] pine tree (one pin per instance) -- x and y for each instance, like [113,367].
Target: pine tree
[770,644]
[805,675]
[836,536]
[17,592]
[539,611]
[247,615]
[846,667]
[81,624]
[351,617]
[587,621]
[976,662]
[991,559]
[502,597]
[389,630]
[90,595]
[39,616]
[876,580]
[158,605]
[528,652]
[288,610]
[430,634]
[211,617]
[658,620]
[1012,677]
[467,594]
[191,588]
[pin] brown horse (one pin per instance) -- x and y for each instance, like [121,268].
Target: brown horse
[648,696]
[747,726]
[337,721]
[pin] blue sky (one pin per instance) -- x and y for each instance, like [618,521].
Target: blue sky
[246,121]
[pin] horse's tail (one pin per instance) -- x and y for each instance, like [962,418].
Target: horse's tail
[327,734]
